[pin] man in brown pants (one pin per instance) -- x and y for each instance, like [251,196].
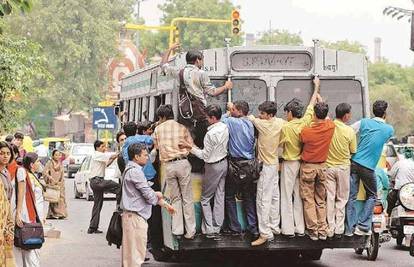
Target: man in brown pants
[316,140]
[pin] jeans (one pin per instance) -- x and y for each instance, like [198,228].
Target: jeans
[364,219]
[248,193]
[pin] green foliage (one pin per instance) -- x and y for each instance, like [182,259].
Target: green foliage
[193,35]
[22,67]
[280,37]
[8,6]
[345,45]
[400,113]
[77,37]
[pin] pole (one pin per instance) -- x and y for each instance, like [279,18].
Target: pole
[227,40]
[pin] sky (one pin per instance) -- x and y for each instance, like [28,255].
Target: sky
[331,20]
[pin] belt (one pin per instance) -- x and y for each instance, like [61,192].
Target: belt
[177,159]
[134,212]
[307,162]
[217,161]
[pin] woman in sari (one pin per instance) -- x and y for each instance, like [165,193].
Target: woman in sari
[6,218]
[53,175]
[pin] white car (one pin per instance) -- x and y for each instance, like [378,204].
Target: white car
[81,182]
[77,154]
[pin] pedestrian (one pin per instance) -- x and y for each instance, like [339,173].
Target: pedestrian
[6,229]
[29,202]
[291,205]
[316,140]
[177,173]
[6,157]
[54,177]
[137,199]
[18,141]
[145,128]
[267,196]
[100,160]
[9,138]
[130,130]
[343,145]
[197,83]
[241,148]
[214,155]
[373,134]
[120,139]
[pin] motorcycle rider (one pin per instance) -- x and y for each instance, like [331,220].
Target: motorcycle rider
[401,173]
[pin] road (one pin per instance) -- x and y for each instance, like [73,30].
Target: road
[77,248]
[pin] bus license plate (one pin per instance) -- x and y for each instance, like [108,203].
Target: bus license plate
[408,229]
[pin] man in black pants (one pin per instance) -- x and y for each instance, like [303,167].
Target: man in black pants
[100,160]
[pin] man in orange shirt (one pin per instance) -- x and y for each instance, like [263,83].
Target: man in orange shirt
[316,140]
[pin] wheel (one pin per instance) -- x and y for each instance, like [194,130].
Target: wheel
[311,254]
[77,194]
[88,195]
[399,240]
[359,251]
[372,250]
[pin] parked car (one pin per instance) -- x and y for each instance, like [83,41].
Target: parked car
[81,183]
[76,155]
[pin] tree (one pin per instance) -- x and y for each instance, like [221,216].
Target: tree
[77,37]
[22,67]
[200,35]
[400,112]
[280,37]
[345,45]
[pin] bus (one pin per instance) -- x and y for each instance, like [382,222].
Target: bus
[258,73]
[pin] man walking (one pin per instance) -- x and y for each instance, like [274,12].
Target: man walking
[373,134]
[241,148]
[100,160]
[167,135]
[343,145]
[267,196]
[316,140]
[137,199]
[290,201]
[214,155]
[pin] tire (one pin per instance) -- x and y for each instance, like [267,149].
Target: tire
[359,251]
[372,251]
[412,245]
[88,195]
[77,194]
[399,240]
[311,254]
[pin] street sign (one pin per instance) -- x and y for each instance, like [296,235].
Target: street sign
[104,118]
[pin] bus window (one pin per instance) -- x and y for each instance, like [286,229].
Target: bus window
[139,109]
[153,80]
[133,103]
[145,113]
[129,110]
[253,92]
[332,91]
[158,101]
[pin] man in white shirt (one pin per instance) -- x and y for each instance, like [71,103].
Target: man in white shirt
[401,173]
[100,160]
[214,155]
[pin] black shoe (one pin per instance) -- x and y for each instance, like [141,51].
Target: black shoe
[93,231]
[146,259]
[231,233]
[338,236]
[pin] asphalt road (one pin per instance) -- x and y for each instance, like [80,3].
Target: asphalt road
[76,248]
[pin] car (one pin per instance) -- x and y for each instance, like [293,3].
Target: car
[76,155]
[81,182]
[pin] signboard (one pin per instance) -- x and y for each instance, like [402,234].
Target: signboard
[271,61]
[104,118]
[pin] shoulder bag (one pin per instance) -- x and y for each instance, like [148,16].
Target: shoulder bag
[30,235]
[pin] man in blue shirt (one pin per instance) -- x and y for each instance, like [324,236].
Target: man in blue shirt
[373,134]
[241,147]
[130,130]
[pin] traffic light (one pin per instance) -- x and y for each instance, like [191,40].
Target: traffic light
[235,22]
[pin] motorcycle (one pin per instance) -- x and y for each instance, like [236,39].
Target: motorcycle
[379,234]
[402,217]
